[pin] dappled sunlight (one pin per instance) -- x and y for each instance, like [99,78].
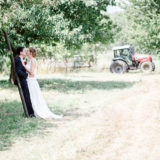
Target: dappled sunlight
[105,114]
[68,96]
[13,123]
[98,72]
[65,85]
[4,84]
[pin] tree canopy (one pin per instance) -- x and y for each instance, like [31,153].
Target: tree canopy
[71,23]
[141,24]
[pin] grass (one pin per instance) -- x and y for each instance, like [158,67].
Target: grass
[13,123]
[65,85]
[5,85]
[65,95]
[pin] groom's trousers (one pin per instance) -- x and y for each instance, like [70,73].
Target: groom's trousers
[27,96]
[22,74]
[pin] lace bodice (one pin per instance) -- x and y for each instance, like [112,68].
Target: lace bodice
[35,70]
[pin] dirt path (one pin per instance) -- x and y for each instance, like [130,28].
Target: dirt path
[125,128]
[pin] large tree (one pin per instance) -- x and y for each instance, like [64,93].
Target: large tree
[143,27]
[49,22]
[71,22]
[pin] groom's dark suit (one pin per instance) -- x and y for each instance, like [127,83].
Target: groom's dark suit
[22,74]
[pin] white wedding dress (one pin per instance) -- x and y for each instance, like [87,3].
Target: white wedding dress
[38,103]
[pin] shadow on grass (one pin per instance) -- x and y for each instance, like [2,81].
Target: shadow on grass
[65,85]
[13,124]
[4,84]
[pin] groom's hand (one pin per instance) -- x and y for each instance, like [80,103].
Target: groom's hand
[31,75]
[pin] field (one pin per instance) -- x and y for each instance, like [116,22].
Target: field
[106,117]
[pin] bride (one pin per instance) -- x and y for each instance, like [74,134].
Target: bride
[38,103]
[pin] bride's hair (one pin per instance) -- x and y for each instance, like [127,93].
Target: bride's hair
[33,51]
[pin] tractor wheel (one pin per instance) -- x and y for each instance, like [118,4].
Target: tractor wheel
[153,66]
[118,67]
[146,67]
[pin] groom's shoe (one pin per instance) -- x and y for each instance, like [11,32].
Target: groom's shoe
[32,116]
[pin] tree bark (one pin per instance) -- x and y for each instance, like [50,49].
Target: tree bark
[95,54]
[12,75]
[55,65]
[15,74]
[66,64]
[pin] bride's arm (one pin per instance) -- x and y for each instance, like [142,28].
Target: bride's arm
[33,65]
[31,70]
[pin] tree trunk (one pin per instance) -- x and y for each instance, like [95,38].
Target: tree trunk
[66,66]
[12,76]
[15,75]
[55,65]
[95,54]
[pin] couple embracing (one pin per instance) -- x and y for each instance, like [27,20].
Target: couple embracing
[35,102]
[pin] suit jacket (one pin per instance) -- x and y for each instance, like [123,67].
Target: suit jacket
[20,70]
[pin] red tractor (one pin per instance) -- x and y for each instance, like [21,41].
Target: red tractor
[126,59]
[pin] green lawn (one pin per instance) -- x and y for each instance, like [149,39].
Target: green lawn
[66,86]
[65,95]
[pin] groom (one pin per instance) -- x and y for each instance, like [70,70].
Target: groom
[22,74]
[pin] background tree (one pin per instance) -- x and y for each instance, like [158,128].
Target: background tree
[46,22]
[140,26]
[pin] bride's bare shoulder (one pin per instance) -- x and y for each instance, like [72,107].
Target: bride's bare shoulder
[33,60]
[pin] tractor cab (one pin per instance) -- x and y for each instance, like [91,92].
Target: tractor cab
[124,52]
[125,59]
